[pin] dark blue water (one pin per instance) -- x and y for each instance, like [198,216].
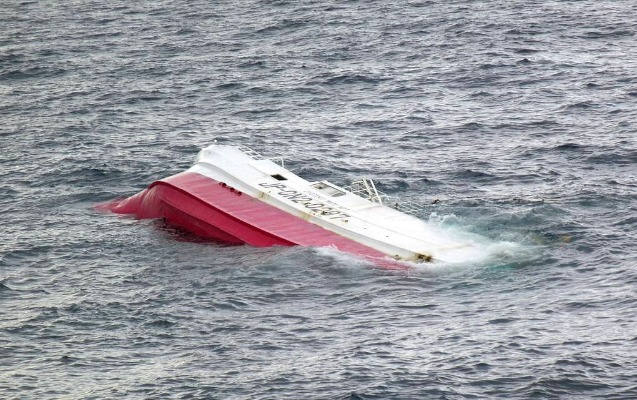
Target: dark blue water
[519,117]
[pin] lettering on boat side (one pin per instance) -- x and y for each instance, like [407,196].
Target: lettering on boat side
[306,201]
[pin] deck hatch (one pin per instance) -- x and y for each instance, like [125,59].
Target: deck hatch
[326,188]
[279,177]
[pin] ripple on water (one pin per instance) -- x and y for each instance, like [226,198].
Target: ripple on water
[518,132]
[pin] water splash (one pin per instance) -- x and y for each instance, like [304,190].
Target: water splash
[476,249]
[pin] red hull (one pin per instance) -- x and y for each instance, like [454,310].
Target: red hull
[213,210]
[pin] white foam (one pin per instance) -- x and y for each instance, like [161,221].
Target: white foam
[468,248]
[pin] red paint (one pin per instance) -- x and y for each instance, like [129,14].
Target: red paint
[214,210]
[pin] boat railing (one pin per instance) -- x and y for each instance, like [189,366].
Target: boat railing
[258,156]
[366,189]
[408,207]
[251,152]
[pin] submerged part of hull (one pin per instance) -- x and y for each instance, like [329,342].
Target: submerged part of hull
[216,211]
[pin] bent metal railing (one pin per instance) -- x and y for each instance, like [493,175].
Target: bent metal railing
[366,189]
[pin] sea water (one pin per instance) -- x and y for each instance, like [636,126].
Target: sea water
[513,122]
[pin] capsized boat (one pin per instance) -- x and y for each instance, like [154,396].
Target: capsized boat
[234,195]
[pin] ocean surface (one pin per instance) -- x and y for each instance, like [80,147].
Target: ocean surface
[512,120]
